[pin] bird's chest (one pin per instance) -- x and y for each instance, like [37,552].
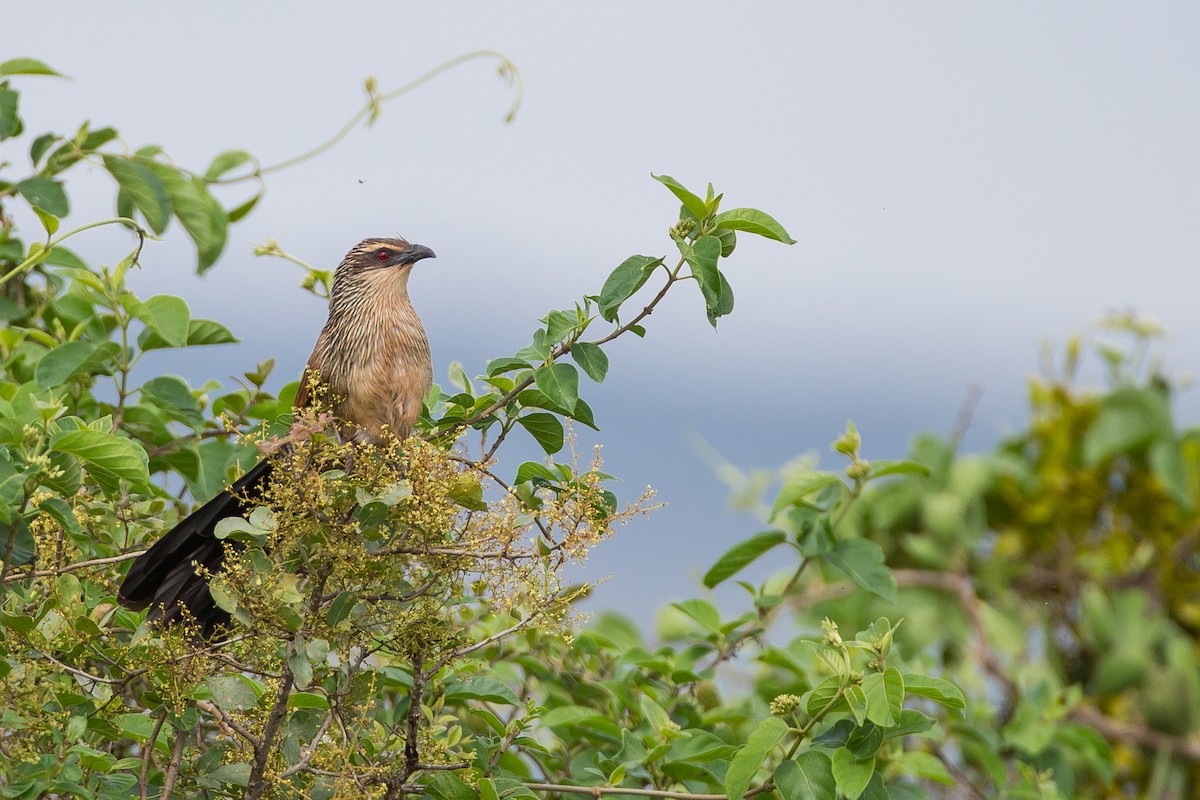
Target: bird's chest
[385,372]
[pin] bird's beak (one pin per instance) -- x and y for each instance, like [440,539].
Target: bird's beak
[415,253]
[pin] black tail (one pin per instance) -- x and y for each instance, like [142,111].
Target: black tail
[164,577]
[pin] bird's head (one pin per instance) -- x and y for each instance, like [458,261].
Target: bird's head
[384,255]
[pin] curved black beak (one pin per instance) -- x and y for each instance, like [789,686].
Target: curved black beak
[415,253]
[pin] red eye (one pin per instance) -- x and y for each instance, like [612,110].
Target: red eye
[383,255]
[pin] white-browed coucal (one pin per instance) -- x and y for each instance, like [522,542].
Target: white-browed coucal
[372,359]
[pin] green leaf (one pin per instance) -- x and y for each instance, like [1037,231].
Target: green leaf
[741,554]
[625,280]
[809,776]
[202,216]
[10,121]
[200,332]
[560,383]
[885,696]
[143,188]
[851,774]
[936,689]
[46,194]
[881,468]
[856,698]
[753,221]
[171,394]
[797,489]
[48,220]
[911,722]
[750,756]
[546,429]
[690,201]
[232,692]
[72,359]
[1169,466]
[340,608]
[108,458]
[226,774]
[702,257]
[1129,418]
[489,690]
[61,512]
[568,715]
[239,211]
[925,765]
[702,612]
[591,359]
[230,159]
[447,786]
[500,365]
[308,700]
[301,668]
[861,560]
[26,66]
[168,316]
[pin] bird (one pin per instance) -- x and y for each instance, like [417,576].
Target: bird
[373,361]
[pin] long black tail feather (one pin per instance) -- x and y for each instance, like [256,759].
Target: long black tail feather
[164,577]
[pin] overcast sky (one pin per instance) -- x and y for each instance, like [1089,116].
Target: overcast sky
[964,180]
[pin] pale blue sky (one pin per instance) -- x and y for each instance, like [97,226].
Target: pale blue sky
[963,180]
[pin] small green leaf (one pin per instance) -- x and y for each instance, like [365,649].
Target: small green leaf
[885,696]
[881,468]
[560,383]
[72,359]
[26,66]
[488,690]
[307,700]
[861,560]
[750,756]
[10,121]
[108,458]
[301,668]
[340,608]
[168,316]
[46,194]
[591,359]
[702,257]
[851,774]
[224,162]
[936,689]
[498,366]
[194,206]
[232,692]
[143,188]
[48,220]
[58,509]
[625,280]
[546,429]
[809,776]
[702,612]
[741,554]
[200,332]
[753,221]
[690,201]
[1129,418]
[856,698]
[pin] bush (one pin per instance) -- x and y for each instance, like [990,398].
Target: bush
[1017,624]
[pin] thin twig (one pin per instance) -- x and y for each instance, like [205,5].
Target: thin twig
[228,722]
[173,767]
[412,754]
[149,754]
[95,562]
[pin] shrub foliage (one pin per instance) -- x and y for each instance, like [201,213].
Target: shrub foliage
[1015,624]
